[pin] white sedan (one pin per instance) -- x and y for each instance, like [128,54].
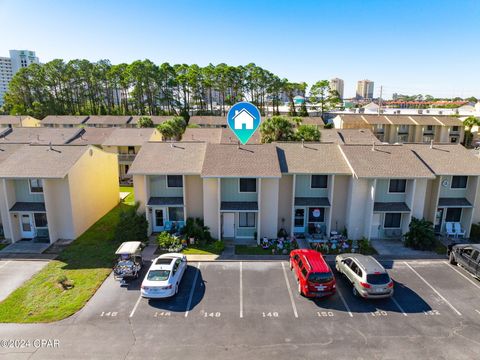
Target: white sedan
[164,276]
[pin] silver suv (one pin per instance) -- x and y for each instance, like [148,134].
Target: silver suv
[368,277]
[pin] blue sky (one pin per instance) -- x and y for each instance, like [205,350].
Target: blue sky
[419,46]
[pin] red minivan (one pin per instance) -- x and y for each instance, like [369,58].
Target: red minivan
[314,276]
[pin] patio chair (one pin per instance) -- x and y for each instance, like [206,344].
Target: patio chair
[458,229]
[450,230]
[167,226]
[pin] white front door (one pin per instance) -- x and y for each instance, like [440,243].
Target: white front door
[27,230]
[228,229]
[376,225]
[158,219]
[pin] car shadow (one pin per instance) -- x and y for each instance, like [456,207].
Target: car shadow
[181,301]
[405,300]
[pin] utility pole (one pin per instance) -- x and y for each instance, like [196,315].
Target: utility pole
[380,100]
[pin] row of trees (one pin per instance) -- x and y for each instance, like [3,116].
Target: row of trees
[142,87]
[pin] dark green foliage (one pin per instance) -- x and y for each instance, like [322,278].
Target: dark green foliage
[132,226]
[276,128]
[303,110]
[475,232]
[307,133]
[172,129]
[195,228]
[328,126]
[145,122]
[421,235]
[282,233]
[166,241]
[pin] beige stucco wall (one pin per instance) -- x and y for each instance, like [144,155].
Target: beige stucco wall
[339,202]
[141,195]
[285,188]
[7,200]
[94,188]
[268,208]
[156,136]
[358,209]
[211,205]
[418,203]
[194,196]
[59,209]
[431,198]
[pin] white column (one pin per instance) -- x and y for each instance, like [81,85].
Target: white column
[292,227]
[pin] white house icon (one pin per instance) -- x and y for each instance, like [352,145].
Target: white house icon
[243,117]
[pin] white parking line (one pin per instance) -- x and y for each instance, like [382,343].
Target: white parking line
[477,311]
[398,305]
[192,289]
[4,264]
[431,287]
[289,291]
[135,307]
[241,290]
[344,302]
[459,272]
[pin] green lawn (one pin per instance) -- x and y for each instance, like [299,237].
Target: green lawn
[251,250]
[209,249]
[86,262]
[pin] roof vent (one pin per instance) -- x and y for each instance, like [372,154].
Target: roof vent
[303,143]
[431,144]
[373,146]
[50,145]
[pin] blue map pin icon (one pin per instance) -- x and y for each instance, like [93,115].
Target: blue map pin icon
[244,119]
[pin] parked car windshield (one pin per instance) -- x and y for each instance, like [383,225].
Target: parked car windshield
[158,275]
[319,278]
[377,279]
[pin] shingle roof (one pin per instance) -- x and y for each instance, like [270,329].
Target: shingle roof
[312,201]
[385,161]
[390,119]
[449,120]
[228,137]
[313,120]
[12,120]
[208,120]
[64,120]
[108,120]
[40,135]
[157,120]
[355,136]
[129,137]
[454,202]
[211,135]
[92,136]
[8,149]
[38,161]
[447,159]
[169,158]
[390,207]
[223,160]
[165,201]
[399,119]
[311,158]
[425,120]
[28,206]
[239,206]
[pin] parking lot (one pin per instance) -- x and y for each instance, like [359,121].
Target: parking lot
[253,308]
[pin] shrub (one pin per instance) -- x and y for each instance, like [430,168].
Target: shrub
[167,241]
[282,233]
[421,235]
[475,232]
[145,122]
[195,228]
[328,126]
[307,133]
[132,226]
[218,246]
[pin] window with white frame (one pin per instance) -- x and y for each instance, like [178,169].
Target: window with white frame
[397,185]
[319,182]
[246,219]
[175,213]
[36,186]
[392,220]
[459,182]
[174,181]
[248,185]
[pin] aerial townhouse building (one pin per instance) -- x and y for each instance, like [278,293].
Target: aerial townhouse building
[55,192]
[402,128]
[247,192]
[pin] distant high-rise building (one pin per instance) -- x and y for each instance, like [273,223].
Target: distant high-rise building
[9,66]
[365,89]
[337,84]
